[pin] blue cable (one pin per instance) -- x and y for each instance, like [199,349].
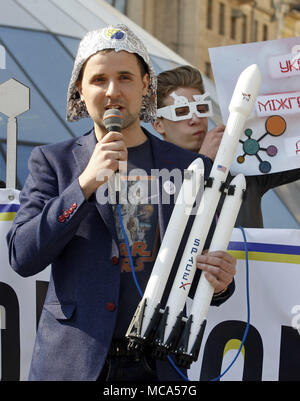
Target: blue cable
[247,292]
[248,308]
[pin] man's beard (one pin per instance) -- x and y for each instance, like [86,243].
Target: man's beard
[130,119]
[127,122]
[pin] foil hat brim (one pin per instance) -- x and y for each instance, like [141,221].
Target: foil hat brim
[119,38]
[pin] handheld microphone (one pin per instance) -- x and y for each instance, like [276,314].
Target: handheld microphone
[113,121]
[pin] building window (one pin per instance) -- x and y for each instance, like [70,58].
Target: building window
[265,32]
[222,19]
[209,14]
[255,33]
[118,4]
[244,29]
[208,69]
[233,28]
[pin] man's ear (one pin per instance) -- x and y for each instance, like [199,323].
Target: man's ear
[158,125]
[146,80]
[79,88]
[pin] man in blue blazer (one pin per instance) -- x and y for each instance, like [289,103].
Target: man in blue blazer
[62,221]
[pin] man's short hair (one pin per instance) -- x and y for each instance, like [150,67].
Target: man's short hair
[184,76]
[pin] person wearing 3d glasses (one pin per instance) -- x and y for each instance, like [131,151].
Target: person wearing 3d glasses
[183,109]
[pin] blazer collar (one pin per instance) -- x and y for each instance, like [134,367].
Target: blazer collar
[83,150]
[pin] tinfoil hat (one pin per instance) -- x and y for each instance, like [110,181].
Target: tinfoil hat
[119,38]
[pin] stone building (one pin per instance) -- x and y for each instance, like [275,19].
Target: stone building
[190,27]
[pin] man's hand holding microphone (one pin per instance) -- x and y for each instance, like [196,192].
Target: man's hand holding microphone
[108,152]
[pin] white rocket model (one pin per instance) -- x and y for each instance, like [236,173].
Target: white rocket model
[240,108]
[170,321]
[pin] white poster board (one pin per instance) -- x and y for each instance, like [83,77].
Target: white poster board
[271,139]
[272,348]
[19,303]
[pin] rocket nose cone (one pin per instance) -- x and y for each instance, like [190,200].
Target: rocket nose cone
[252,74]
[252,71]
[246,90]
[196,164]
[239,181]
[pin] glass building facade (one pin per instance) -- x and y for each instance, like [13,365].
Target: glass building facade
[41,56]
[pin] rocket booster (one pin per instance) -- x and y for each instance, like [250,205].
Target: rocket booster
[220,240]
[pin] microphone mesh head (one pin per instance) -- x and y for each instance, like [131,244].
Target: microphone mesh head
[113,120]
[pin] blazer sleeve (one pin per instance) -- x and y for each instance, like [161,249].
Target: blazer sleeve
[38,233]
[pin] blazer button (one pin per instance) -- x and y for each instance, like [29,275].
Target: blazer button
[110,306]
[74,206]
[114,260]
[61,219]
[66,214]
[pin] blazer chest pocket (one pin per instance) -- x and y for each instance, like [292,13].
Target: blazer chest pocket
[61,311]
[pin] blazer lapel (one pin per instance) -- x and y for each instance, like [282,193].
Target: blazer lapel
[83,151]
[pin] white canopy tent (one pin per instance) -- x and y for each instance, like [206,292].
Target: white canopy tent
[40,39]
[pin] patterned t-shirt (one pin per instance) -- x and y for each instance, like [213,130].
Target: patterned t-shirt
[138,202]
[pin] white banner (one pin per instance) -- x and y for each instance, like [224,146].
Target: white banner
[272,347]
[20,302]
